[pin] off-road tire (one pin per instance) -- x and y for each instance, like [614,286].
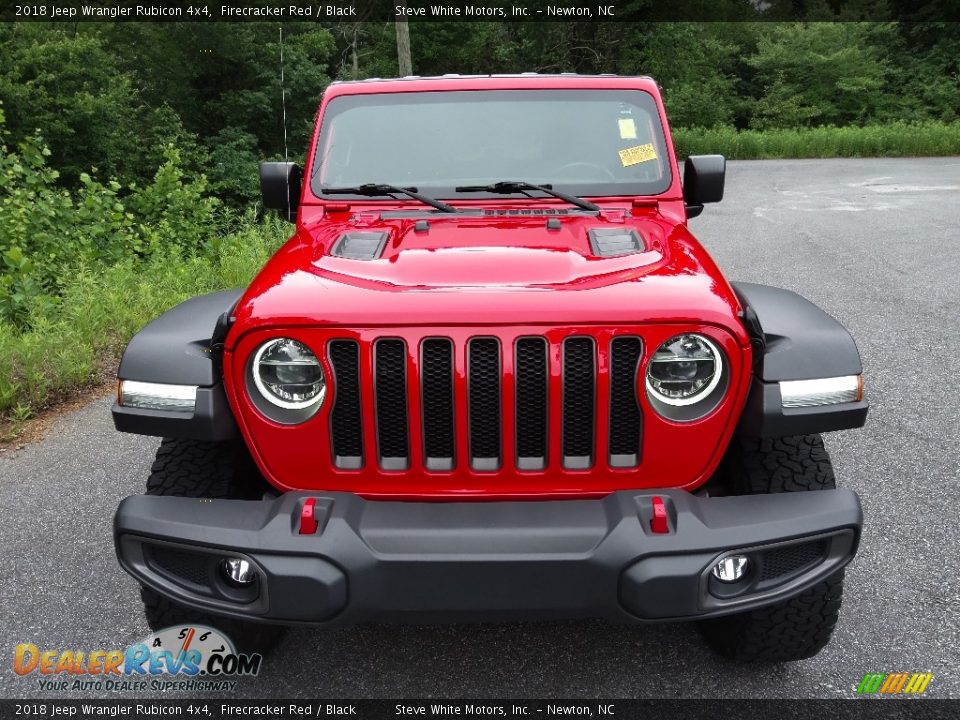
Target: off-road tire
[776,465]
[192,468]
[798,628]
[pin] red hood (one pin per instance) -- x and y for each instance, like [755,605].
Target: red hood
[488,270]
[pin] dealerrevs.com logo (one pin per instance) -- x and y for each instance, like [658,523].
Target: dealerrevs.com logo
[903,683]
[183,657]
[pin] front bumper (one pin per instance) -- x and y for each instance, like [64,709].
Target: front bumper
[426,562]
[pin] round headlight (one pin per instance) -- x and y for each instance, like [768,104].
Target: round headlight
[288,374]
[684,370]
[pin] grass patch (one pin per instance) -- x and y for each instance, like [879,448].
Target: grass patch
[899,139]
[70,346]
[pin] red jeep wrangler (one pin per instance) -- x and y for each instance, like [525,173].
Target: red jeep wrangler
[493,376]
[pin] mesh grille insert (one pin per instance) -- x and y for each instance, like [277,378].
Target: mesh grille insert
[531,399]
[192,567]
[346,428]
[484,402]
[625,420]
[786,560]
[579,402]
[436,370]
[390,382]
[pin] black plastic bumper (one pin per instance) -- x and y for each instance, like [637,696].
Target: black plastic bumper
[419,562]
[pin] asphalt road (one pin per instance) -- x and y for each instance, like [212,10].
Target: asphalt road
[874,242]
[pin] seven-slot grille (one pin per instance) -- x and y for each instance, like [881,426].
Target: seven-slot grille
[430,372]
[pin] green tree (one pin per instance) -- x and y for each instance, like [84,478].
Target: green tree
[924,77]
[48,233]
[71,87]
[697,66]
[228,75]
[817,74]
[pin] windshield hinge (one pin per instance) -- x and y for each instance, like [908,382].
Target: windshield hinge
[613,215]
[362,218]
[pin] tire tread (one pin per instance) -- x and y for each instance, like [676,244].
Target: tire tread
[194,468]
[800,627]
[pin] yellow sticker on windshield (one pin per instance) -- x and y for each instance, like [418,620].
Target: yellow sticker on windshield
[637,154]
[628,129]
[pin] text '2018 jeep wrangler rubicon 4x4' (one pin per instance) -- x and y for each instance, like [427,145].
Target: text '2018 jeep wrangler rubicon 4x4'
[493,376]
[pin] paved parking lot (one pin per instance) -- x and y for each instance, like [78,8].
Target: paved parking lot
[874,242]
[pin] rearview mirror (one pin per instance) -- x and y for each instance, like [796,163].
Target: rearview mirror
[703,179]
[280,188]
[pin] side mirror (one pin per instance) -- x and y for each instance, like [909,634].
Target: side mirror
[280,188]
[703,178]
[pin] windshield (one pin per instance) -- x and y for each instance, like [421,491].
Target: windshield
[584,142]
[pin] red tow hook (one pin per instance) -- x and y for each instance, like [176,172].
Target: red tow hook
[658,523]
[308,519]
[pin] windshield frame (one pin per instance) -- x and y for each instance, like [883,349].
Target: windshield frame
[647,101]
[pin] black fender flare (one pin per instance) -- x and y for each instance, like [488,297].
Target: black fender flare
[182,347]
[794,339]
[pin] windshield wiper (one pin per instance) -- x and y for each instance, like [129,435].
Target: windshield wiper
[374,189]
[519,186]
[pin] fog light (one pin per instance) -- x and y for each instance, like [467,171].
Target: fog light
[731,568]
[238,570]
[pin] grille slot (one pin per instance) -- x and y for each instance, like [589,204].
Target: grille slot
[346,425]
[436,376]
[390,383]
[579,402]
[790,559]
[483,388]
[625,420]
[530,367]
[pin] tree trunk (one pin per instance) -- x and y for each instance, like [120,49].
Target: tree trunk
[403,48]
[353,55]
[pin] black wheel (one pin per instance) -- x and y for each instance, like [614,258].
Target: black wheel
[191,468]
[798,628]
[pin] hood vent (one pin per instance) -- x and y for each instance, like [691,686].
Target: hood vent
[531,212]
[360,245]
[611,242]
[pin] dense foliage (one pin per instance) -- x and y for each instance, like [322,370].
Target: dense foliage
[82,269]
[46,231]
